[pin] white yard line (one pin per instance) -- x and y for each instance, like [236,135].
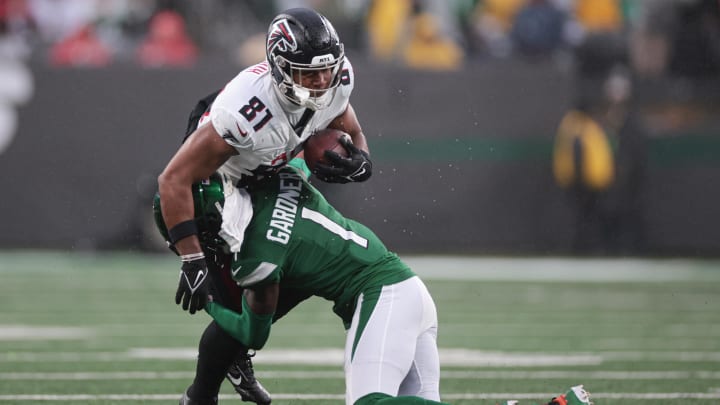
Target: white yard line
[332,375]
[334,357]
[298,396]
[562,269]
[28,332]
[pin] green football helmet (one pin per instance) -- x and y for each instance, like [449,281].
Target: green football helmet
[208,198]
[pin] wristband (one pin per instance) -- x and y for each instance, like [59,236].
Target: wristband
[182,230]
[192,256]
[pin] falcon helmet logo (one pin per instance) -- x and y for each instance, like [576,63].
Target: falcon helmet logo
[281,37]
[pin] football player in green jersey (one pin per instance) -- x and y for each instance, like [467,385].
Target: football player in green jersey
[294,237]
[291,240]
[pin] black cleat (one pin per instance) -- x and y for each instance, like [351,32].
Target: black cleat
[186,400]
[242,377]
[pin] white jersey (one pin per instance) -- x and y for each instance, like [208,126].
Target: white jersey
[259,123]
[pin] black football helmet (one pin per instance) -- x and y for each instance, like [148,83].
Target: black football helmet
[298,41]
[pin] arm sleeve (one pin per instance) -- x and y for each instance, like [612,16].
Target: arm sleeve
[248,328]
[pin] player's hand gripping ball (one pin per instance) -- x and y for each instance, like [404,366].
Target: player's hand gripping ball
[332,157]
[322,140]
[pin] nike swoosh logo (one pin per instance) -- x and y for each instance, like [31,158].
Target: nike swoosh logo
[242,133]
[236,271]
[199,277]
[235,381]
[358,172]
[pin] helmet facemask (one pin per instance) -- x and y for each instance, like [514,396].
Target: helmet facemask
[292,75]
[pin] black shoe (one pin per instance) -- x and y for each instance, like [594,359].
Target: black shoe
[242,377]
[186,400]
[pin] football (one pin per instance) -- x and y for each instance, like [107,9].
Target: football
[322,140]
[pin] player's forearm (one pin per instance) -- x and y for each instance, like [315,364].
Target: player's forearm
[177,207]
[249,328]
[359,141]
[348,122]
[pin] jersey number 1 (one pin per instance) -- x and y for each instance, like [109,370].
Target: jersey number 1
[333,227]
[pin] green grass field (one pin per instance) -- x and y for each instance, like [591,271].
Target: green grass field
[104,329]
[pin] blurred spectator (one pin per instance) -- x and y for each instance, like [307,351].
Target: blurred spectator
[600,155]
[121,24]
[386,26]
[428,48]
[81,49]
[444,14]
[649,38]
[583,156]
[501,12]
[598,53]
[407,32]
[251,50]
[221,25]
[585,160]
[16,81]
[537,29]
[58,19]
[695,49]
[583,166]
[16,89]
[15,24]
[597,27]
[625,203]
[599,15]
[167,44]
[492,21]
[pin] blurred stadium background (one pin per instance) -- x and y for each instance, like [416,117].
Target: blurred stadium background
[558,159]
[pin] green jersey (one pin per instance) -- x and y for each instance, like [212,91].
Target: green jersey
[297,238]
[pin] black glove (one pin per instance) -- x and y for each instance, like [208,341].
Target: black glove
[354,168]
[193,286]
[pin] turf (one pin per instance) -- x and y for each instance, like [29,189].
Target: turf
[80,328]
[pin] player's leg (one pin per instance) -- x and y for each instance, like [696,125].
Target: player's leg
[381,342]
[216,362]
[215,354]
[242,377]
[186,400]
[423,379]
[220,355]
[239,372]
[370,365]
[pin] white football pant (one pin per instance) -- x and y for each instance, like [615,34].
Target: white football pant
[396,351]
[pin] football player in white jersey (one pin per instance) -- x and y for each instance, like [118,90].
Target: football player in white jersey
[254,126]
